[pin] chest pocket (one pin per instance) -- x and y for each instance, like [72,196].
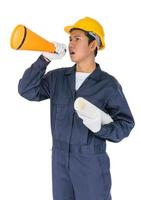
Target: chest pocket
[61,104]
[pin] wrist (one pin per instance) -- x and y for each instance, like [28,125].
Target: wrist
[47,57]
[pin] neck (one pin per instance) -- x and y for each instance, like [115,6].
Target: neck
[86,67]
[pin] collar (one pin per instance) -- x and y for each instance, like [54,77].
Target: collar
[96,74]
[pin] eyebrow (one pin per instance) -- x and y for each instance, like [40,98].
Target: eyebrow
[75,36]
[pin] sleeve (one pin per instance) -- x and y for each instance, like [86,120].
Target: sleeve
[123,122]
[35,84]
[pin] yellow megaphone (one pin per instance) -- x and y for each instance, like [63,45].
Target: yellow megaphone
[23,38]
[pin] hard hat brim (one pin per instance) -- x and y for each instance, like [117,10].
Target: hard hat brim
[68,28]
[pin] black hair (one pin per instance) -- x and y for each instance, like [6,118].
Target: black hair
[90,38]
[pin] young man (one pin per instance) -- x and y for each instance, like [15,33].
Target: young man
[80,164]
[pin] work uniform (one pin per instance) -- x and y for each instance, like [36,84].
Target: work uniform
[80,164]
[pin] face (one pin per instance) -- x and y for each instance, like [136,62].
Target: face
[78,46]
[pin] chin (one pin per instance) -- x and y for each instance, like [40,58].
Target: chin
[74,60]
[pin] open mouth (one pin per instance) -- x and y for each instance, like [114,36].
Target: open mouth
[72,53]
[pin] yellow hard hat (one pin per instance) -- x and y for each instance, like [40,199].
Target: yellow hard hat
[90,25]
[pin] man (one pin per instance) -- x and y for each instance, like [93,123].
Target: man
[80,164]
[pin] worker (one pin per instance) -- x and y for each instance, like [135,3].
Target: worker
[80,163]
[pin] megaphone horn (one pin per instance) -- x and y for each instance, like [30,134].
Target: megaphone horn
[22,38]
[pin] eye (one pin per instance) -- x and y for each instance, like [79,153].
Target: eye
[77,38]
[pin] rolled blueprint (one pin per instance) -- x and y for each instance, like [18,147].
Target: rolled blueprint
[89,110]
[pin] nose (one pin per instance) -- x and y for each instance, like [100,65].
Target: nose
[71,44]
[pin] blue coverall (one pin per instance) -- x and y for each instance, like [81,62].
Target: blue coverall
[80,163]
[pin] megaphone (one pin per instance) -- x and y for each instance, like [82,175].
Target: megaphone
[22,38]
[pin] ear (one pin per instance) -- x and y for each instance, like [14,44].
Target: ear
[93,45]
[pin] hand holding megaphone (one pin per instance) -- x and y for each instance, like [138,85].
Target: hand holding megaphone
[59,53]
[23,38]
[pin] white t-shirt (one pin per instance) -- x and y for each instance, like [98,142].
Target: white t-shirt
[80,77]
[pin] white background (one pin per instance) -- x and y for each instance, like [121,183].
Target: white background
[25,136]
